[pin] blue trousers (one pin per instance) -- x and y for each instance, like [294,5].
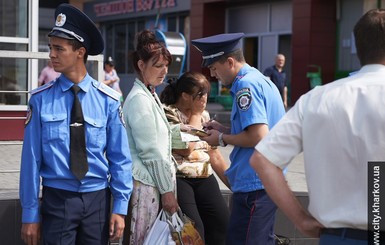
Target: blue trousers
[327,239]
[72,218]
[252,219]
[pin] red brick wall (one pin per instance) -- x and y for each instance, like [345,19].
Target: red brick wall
[313,42]
[12,129]
[207,18]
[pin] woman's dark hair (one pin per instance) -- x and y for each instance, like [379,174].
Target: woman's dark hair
[148,47]
[192,83]
[109,61]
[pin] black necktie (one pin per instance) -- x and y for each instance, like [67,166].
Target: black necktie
[78,154]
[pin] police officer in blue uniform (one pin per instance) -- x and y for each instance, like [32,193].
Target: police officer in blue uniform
[78,174]
[257,107]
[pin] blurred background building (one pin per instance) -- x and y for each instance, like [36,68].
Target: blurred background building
[314,35]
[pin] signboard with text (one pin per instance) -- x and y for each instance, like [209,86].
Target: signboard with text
[112,10]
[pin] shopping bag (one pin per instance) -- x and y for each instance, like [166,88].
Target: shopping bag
[160,233]
[183,230]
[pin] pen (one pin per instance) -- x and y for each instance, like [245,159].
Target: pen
[213,118]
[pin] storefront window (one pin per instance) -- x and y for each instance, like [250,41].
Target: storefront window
[13,77]
[109,40]
[120,46]
[14,18]
[120,39]
[172,24]
[131,47]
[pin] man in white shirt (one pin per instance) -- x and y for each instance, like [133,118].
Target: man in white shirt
[340,128]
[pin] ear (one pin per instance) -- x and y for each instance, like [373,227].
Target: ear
[185,96]
[141,65]
[231,62]
[82,51]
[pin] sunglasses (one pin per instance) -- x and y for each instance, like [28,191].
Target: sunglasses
[199,95]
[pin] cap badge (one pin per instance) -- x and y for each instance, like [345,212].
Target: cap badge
[60,19]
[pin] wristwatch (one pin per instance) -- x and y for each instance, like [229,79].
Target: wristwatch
[220,140]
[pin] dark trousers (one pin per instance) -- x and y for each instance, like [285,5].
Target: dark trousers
[350,236]
[252,219]
[70,218]
[326,239]
[202,201]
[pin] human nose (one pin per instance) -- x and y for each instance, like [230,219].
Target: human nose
[213,73]
[51,54]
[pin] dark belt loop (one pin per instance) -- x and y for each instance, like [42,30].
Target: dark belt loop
[343,235]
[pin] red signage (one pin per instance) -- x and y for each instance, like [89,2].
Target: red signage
[130,6]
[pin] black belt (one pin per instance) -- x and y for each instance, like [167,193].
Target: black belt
[350,233]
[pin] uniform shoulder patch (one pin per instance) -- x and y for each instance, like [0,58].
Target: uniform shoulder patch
[109,91]
[28,116]
[42,88]
[243,97]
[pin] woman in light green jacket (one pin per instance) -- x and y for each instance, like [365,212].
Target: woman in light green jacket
[149,135]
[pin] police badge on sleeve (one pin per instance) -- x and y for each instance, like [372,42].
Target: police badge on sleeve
[28,116]
[243,97]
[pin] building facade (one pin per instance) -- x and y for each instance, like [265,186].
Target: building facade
[311,33]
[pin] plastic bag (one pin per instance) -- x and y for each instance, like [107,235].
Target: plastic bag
[281,240]
[160,233]
[183,230]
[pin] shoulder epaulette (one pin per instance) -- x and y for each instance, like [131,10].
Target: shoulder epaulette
[42,88]
[109,91]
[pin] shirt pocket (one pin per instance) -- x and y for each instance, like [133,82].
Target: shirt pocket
[95,132]
[54,127]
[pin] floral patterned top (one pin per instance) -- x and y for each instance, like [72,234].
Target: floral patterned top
[197,164]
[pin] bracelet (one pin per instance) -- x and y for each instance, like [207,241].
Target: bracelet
[220,140]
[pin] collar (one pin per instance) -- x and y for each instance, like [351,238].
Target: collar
[66,84]
[144,87]
[242,72]
[372,68]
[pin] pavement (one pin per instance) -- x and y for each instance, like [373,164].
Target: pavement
[295,173]
[10,155]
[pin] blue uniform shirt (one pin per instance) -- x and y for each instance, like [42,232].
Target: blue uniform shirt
[46,151]
[256,100]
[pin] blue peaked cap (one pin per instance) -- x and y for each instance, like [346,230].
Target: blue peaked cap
[71,23]
[214,47]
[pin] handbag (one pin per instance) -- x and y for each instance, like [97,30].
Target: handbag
[160,233]
[183,230]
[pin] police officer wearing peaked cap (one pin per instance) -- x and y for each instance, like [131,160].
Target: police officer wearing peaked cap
[257,107]
[75,142]
[71,23]
[215,47]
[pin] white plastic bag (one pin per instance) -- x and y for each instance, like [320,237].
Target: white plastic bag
[160,233]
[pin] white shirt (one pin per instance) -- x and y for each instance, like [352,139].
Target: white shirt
[340,127]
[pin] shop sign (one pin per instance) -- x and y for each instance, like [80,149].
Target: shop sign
[131,6]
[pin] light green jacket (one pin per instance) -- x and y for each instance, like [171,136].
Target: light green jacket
[149,136]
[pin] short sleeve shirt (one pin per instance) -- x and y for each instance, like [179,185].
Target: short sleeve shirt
[256,100]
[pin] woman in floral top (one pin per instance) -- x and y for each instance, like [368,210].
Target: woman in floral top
[198,191]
